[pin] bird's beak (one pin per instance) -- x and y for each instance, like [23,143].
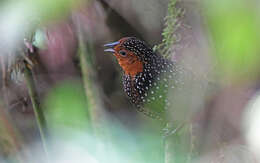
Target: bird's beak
[111,46]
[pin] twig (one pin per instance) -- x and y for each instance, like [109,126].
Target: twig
[39,116]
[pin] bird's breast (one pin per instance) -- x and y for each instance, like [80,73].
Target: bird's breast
[131,67]
[151,85]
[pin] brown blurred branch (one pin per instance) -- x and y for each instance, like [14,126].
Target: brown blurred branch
[10,134]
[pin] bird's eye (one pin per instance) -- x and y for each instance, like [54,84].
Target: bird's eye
[122,53]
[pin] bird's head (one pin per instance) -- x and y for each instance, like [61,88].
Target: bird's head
[131,54]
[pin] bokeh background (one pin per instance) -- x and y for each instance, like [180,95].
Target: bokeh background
[89,118]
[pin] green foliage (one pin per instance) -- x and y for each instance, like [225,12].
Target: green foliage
[172,23]
[49,9]
[68,122]
[66,109]
[235,34]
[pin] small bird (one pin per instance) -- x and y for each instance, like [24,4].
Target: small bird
[148,76]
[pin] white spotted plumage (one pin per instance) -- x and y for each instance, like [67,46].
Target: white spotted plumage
[158,75]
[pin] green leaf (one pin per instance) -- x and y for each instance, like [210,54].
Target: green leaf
[66,109]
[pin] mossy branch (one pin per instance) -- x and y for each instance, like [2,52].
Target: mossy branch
[172,24]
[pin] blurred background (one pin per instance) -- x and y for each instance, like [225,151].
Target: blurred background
[52,59]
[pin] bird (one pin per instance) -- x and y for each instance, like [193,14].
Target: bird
[147,76]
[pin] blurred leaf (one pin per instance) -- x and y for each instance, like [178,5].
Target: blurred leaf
[40,39]
[50,9]
[143,144]
[67,109]
[234,28]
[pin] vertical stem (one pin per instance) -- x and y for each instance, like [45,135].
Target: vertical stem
[96,110]
[97,113]
[4,81]
[168,153]
[39,116]
[85,51]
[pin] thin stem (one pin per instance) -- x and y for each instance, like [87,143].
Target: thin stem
[39,116]
[96,109]
[91,90]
